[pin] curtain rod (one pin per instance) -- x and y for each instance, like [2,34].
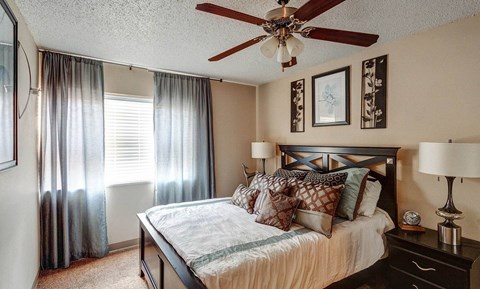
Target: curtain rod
[132,65]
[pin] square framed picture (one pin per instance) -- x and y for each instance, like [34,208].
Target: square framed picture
[331,98]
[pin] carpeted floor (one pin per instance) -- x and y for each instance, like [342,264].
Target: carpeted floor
[118,270]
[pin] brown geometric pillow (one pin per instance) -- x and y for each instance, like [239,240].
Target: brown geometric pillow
[330,179]
[264,183]
[276,184]
[277,210]
[245,198]
[283,173]
[315,197]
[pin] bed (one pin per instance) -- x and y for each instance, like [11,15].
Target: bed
[163,267]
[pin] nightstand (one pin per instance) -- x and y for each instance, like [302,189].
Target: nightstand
[419,261]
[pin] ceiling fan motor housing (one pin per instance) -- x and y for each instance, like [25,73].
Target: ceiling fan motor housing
[280,13]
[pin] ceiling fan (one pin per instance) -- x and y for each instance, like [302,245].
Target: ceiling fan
[282,23]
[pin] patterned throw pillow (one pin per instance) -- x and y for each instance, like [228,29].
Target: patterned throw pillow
[330,179]
[283,173]
[276,184]
[245,198]
[263,182]
[354,180]
[316,210]
[318,198]
[277,210]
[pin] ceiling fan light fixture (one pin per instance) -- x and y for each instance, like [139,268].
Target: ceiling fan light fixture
[283,55]
[269,48]
[294,46]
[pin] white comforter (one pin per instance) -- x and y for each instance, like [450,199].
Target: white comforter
[226,248]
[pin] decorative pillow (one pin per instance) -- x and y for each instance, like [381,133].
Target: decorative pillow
[245,198]
[277,210]
[353,193]
[330,179]
[316,221]
[283,173]
[276,184]
[318,204]
[319,198]
[263,183]
[370,198]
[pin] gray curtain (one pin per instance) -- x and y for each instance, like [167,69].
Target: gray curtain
[183,139]
[73,222]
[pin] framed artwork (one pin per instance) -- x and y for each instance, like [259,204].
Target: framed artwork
[297,106]
[374,93]
[331,97]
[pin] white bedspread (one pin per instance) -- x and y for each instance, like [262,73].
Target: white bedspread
[226,248]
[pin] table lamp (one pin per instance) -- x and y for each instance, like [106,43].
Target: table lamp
[450,160]
[263,150]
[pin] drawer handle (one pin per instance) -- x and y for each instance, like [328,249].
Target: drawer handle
[423,269]
[416,287]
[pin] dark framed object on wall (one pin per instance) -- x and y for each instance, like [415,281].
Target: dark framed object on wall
[374,93]
[297,106]
[331,98]
[8,87]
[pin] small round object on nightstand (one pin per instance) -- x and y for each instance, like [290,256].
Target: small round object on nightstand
[411,218]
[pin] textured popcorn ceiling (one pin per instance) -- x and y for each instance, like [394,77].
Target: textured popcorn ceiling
[173,35]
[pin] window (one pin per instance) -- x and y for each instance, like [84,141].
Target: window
[128,140]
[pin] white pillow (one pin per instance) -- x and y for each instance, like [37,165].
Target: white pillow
[370,198]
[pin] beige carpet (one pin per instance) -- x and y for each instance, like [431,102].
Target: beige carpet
[118,270]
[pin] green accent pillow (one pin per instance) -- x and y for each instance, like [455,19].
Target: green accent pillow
[352,195]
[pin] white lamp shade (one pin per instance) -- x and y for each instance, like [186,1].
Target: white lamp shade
[450,159]
[263,150]
[294,46]
[283,55]
[269,47]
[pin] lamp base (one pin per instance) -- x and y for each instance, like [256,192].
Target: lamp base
[449,233]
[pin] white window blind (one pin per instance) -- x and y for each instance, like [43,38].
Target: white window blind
[128,140]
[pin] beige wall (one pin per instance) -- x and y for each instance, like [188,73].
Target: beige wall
[120,79]
[233,128]
[233,132]
[19,218]
[433,95]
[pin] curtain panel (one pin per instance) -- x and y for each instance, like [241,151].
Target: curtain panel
[183,137]
[73,220]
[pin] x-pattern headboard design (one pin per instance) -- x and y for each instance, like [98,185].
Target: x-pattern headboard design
[319,158]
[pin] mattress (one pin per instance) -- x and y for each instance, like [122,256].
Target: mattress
[225,248]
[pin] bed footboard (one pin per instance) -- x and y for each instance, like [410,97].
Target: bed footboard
[160,264]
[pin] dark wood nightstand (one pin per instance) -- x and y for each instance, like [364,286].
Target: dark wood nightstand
[419,261]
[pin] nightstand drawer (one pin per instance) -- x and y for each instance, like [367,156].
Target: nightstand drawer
[400,280]
[428,269]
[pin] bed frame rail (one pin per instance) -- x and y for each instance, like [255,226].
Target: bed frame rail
[156,254]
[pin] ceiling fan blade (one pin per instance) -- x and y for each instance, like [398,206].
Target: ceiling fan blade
[341,36]
[229,13]
[238,48]
[313,8]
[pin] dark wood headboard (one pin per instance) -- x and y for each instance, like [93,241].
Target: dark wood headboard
[320,158]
